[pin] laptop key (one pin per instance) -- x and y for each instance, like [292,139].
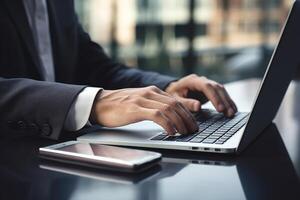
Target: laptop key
[222,139]
[196,140]
[228,134]
[220,142]
[159,137]
[223,128]
[209,141]
[170,138]
[203,126]
[213,137]
[225,137]
[200,137]
[185,138]
[208,131]
[204,134]
[228,126]
[220,132]
[217,134]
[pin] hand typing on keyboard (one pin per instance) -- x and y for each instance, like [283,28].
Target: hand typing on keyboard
[214,92]
[214,128]
[171,108]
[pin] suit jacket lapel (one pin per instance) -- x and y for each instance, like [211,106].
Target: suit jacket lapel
[19,17]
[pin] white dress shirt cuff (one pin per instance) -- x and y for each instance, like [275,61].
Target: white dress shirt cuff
[79,113]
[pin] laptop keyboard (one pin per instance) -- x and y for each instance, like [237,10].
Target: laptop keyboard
[214,128]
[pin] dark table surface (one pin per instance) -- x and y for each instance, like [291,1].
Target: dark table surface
[268,169]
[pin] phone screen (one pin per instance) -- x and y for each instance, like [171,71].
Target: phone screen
[105,151]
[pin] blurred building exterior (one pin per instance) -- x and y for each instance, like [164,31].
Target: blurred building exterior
[223,39]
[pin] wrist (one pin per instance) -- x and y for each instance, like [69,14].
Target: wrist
[93,115]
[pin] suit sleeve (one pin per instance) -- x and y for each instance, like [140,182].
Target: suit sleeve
[101,71]
[29,107]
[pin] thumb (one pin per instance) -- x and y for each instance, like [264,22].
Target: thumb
[192,104]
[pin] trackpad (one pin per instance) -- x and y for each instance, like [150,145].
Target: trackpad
[137,131]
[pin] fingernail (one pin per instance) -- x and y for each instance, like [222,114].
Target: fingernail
[221,107]
[230,112]
[196,106]
[235,107]
[173,132]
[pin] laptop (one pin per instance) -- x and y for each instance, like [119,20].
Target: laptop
[218,134]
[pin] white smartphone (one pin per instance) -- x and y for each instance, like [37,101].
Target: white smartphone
[101,156]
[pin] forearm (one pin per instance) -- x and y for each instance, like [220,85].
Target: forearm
[35,107]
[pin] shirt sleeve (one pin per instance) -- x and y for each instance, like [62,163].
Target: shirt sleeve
[79,113]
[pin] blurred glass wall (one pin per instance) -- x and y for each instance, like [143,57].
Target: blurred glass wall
[225,40]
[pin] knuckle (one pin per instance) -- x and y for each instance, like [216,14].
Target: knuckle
[167,108]
[219,85]
[153,88]
[157,113]
[135,99]
[203,78]
[193,76]
[147,93]
[173,103]
[213,83]
[215,86]
[208,85]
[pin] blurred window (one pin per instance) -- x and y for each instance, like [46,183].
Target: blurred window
[226,40]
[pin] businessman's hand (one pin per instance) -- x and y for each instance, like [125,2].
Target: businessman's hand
[214,91]
[170,109]
[113,108]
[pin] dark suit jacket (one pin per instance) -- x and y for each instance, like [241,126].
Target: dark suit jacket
[29,105]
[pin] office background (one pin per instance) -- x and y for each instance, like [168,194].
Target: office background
[226,40]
